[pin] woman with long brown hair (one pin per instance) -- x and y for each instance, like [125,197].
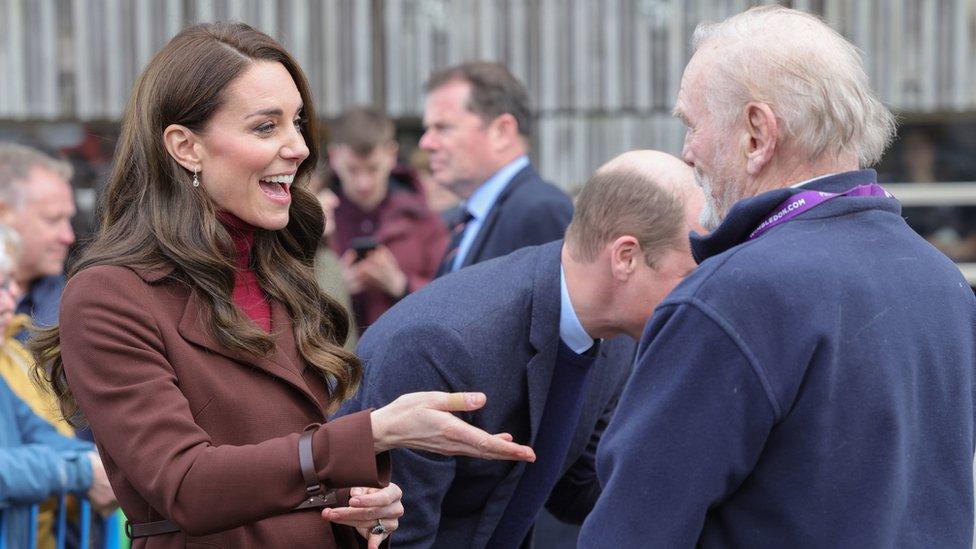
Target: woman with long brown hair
[194,339]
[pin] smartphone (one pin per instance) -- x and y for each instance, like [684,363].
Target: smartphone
[363,245]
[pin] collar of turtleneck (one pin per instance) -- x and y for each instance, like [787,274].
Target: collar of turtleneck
[243,234]
[248,294]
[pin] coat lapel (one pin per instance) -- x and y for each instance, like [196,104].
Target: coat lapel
[284,363]
[543,332]
[474,253]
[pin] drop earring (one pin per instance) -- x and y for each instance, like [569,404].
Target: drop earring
[196,178]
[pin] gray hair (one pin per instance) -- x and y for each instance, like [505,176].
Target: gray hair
[9,249]
[810,76]
[16,162]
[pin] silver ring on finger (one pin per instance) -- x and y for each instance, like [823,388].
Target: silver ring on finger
[379,529]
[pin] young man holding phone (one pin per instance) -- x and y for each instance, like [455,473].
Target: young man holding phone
[390,242]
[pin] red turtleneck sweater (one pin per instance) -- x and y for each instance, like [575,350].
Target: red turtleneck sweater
[248,295]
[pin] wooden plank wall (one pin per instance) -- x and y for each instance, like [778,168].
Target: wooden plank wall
[602,74]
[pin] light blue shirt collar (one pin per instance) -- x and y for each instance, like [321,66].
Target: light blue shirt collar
[570,329]
[482,201]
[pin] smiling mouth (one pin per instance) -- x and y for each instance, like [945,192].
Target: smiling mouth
[277,186]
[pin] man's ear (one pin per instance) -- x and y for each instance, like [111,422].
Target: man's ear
[763,133]
[331,152]
[6,212]
[391,148]
[183,145]
[625,252]
[503,130]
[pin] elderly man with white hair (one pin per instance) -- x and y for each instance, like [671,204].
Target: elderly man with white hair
[811,383]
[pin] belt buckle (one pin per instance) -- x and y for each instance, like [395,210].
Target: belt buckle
[319,500]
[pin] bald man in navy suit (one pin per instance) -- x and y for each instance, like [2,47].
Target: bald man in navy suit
[547,333]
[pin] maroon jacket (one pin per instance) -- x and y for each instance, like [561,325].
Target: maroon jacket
[199,433]
[415,235]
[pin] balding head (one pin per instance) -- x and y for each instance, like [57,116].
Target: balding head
[649,195]
[658,167]
[627,245]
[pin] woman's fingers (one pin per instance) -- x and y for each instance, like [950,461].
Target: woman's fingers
[474,442]
[374,540]
[369,524]
[494,447]
[458,402]
[363,497]
[350,515]
[434,428]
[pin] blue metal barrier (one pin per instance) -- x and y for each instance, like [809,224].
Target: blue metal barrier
[32,538]
[110,527]
[112,532]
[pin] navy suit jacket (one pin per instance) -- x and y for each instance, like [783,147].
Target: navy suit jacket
[527,213]
[493,328]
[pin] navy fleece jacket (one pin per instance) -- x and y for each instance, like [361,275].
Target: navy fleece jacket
[809,388]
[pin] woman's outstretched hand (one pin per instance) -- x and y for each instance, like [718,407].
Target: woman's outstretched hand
[423,421]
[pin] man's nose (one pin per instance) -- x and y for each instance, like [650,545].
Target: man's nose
[66,234]
[686,154]
[362,182]
[427,141]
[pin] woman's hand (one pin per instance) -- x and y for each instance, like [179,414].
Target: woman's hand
[423,421]
[369,508]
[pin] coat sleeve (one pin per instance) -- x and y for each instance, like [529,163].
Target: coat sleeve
[33,472]
[412,359]
[689,428]
[36,430]
[46,463]
[116,365]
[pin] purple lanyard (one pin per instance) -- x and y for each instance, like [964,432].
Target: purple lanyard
[807,200]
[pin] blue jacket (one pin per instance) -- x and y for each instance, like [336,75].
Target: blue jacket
[41,302]
[493,328]
[36,462]
[528,212]
[809,388]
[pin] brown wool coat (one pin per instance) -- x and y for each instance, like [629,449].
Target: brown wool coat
[195,432]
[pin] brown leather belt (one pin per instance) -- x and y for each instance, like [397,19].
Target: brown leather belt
[315,496]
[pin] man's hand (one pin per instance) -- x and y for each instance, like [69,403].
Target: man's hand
[380,270]
[100,493]
[423,421]
[351,272]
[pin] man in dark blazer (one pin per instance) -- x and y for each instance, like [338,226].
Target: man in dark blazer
[526,329]
[477,125]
